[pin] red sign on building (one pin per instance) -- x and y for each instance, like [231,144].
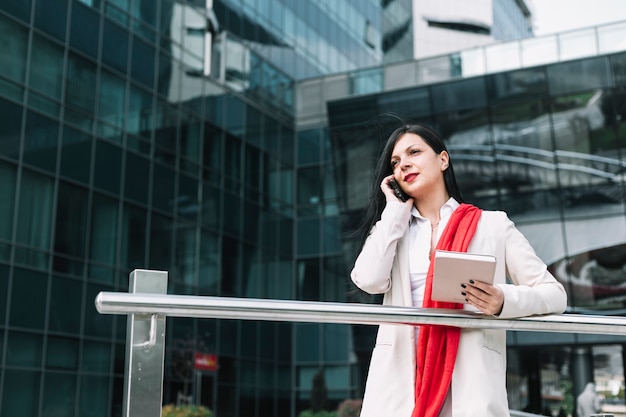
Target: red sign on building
[205,361]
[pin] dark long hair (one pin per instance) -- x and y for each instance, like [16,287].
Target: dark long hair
[383,169]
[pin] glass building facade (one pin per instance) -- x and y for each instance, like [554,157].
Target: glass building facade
[175,136]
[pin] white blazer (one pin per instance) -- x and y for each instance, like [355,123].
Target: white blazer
[479,378]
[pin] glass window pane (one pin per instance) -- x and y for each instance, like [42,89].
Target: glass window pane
[85,29]
[62,353]
[46,68]
[51,17]
[537,51]
[578,75]
[65,304]
[59,394]
[13,50]
[11,122]
[71,218]
[75,155]
[115,43]
[103,234]
[32,286]
[143,62]
[133,238]
[41,141]
[503,56]
[96,357]
[137,178]
[94,396]
[79,86]
[17,8]
[111,99]
[35,210]
[108,164]
[21,396]
[24,349]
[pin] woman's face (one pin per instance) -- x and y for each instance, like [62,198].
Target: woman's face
[416,167]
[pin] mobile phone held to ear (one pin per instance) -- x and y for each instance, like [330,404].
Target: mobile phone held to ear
[402,196]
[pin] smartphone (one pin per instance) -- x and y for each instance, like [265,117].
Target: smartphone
[402,196]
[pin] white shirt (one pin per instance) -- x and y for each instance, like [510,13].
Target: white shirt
[420,246]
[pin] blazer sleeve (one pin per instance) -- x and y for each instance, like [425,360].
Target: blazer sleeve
[372,268]
[534,290]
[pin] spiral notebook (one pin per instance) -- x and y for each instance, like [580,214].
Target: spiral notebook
[454,268]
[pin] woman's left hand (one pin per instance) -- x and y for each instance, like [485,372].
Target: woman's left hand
[485,297]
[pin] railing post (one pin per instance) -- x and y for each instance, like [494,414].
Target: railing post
[145,350]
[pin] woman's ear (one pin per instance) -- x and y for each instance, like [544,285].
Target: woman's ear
[445,160]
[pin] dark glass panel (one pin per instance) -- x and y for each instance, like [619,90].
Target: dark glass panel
[84,29]
[579,75]
[187,204]
[103,233]
[164,181]
[211,203]
[208,267]
[618,67]
[51,17]
[7,190]
[79,86]
[11,122]
[17,8]
[517,85]
[14,46]
[232,157]
[76,155]
[111,100]
[41,141]
[4,293]
[308,339]
[309,147]
[115,43]
[46,67]
[459,95]
[65,304]
[309,280]
[137,178]
[108,167]
[31,286]
[309,186]
[96,324]
[71,221]
[232,214]
[133,238]
[35,210]
[308,237]
[59,394]
[96,357]
[161,244]
[95,395]
[21,396]
[62,353]
[231,267]
[143,62]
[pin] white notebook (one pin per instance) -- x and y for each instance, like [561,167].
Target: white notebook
[454,268]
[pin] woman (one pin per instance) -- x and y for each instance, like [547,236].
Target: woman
[438,371]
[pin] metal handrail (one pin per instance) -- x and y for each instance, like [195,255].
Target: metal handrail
[147,304]
[327,312]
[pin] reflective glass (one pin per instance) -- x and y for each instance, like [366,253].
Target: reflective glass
[75,154]
[96,324]
[164,181]
[46,69]
[143,62]
[51,17]
[96,357]
[59,394]
[578,75]
[108,167]
[7,190]
[35,211]
[62,353]
[41,140]
[65,305]
[31,286]
[71,218]
[137,178]
[24,349]
[84,29]
[95,396]
[103,233]
[13,48]
[133,237]
[20,397]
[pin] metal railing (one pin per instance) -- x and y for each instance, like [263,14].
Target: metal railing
[147,305]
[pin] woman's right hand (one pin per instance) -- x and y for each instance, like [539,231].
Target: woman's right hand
[388,191]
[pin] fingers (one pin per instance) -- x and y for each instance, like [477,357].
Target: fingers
[487,298]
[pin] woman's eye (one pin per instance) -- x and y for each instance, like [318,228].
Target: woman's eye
[413,151]
[393,164]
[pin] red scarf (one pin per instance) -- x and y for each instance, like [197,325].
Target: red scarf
[437,345]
